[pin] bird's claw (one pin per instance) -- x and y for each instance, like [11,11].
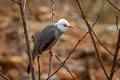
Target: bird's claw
[50,51]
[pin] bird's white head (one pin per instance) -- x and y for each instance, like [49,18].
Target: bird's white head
[63,25]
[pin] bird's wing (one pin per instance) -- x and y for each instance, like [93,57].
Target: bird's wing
[46,39]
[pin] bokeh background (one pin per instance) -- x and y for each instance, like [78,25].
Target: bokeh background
[83,63]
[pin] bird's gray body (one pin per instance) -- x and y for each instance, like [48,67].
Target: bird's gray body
[46,40]
[48,37]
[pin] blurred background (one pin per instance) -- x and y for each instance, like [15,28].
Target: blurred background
[83,63]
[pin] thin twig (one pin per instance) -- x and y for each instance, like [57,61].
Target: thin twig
[72,51]
[50,59]
[65,67]
[97,18]
[26,37]
[50,64]
[116,69]
[54,72]
[89,28]
[116,54]
[24,5]
[117,65]
[117,22]
[113,5]
[53,10]
[117,46]
[3,76]
[38,57]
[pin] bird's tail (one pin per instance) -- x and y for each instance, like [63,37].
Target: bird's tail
[33,57]
[28,68]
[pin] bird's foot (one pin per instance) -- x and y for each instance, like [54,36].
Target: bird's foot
[50,51]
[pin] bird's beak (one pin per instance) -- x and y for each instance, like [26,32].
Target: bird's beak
[70,26]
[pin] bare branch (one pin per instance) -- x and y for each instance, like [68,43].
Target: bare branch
[116,53]
[54,72]
[24,5]
[113,5]
[26,37]
[116,69]
[117,22]
[84,18]
[3,76]
[50,59]
[38,57]
[50,64]
[117,65]
[97,18]
[53,10]
[65,67]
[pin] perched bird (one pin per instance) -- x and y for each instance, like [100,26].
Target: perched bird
[48,37]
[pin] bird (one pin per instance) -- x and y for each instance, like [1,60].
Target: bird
[48,37]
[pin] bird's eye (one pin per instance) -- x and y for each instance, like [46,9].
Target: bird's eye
[65,25]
